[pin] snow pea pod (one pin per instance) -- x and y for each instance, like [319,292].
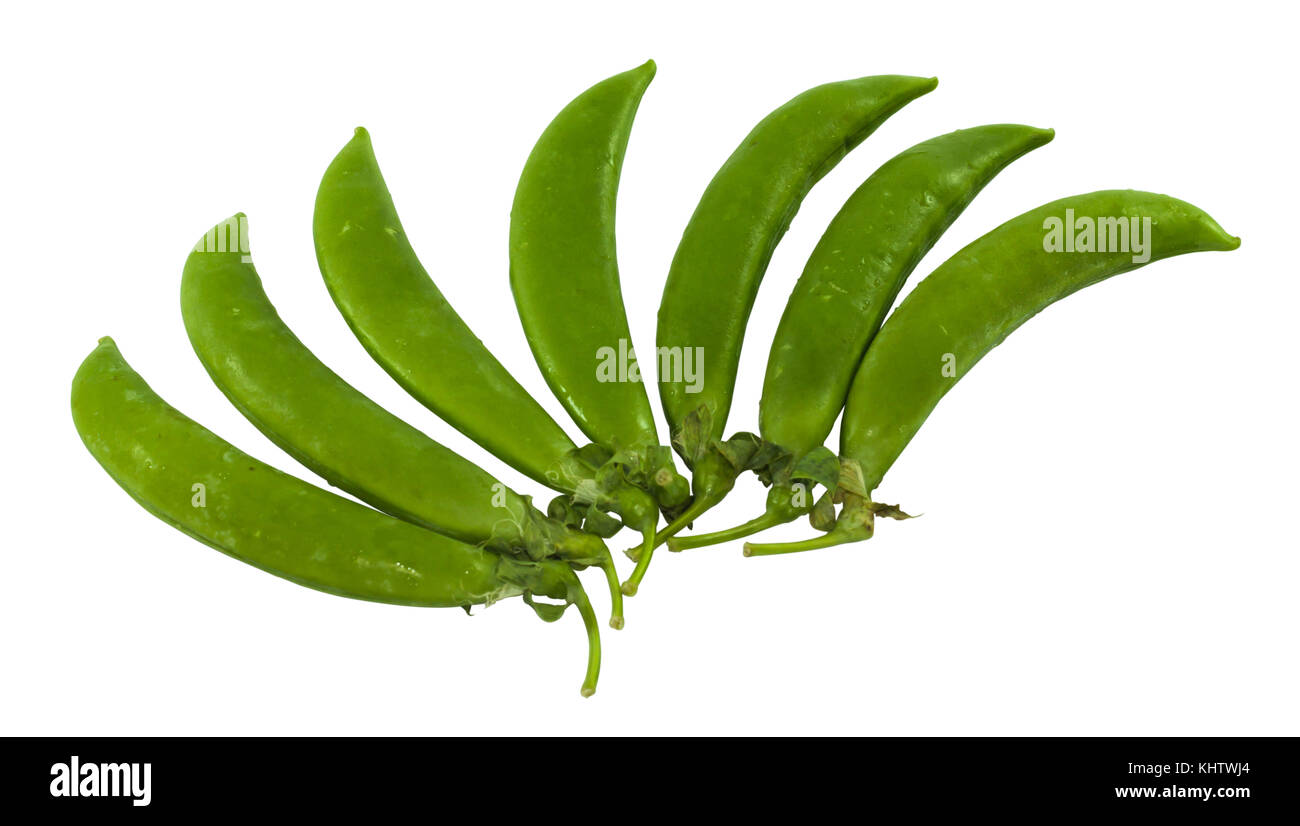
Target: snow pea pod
[971,303]
[747,207]
[207,488]
[564,265]
[409,328]
[339,433]
[847,287]
[564,276]
[724,253]
[565,279]
[563,262]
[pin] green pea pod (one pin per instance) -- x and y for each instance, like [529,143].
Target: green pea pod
[565,280]
[850,281]
[405,323]
[564,267]
[971,303]
[743,213]
[207,488]
[332,428]
[407,326]
[725,250]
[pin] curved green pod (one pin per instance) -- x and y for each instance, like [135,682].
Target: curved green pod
[565,279]
[564,266]
[407,326]
[859,266]
[747,207]
[206,487]
[724,253]
[847,287]
[332,428]
[971,303]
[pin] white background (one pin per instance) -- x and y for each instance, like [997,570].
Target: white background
[1108,545]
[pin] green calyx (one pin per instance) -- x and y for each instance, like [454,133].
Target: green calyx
[791,484]
[671,489]
[635,484]
[651,468]
[715,465]
[556,581]
[534,537]
[856,521]
[713,478]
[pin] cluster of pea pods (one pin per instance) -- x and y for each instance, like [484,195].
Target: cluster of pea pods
[444,532]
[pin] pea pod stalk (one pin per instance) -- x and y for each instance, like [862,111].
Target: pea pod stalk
[970,304]
[852,277]
[402,319]
[565,279]
[207,488]
[728,242]
[333,429]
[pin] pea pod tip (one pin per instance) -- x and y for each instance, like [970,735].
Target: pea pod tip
[1227,241]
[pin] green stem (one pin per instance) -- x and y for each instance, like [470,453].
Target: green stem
[713,478]
[698,508]
[642,564]
[615,593]
[826,540]
[577,547]
[856,522]
[578,597]
[753,526]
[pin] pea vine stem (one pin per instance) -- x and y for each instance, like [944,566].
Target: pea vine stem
[698,508]
[578,597]
[615,592]
[753,526]
[642,564]
[826,540]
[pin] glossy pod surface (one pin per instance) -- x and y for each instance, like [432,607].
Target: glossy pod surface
[332,428]
[748,206]
[975,299]
[564,266]
[859,266]
[318,418]
[195,481]
[403,320]
[848,285]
